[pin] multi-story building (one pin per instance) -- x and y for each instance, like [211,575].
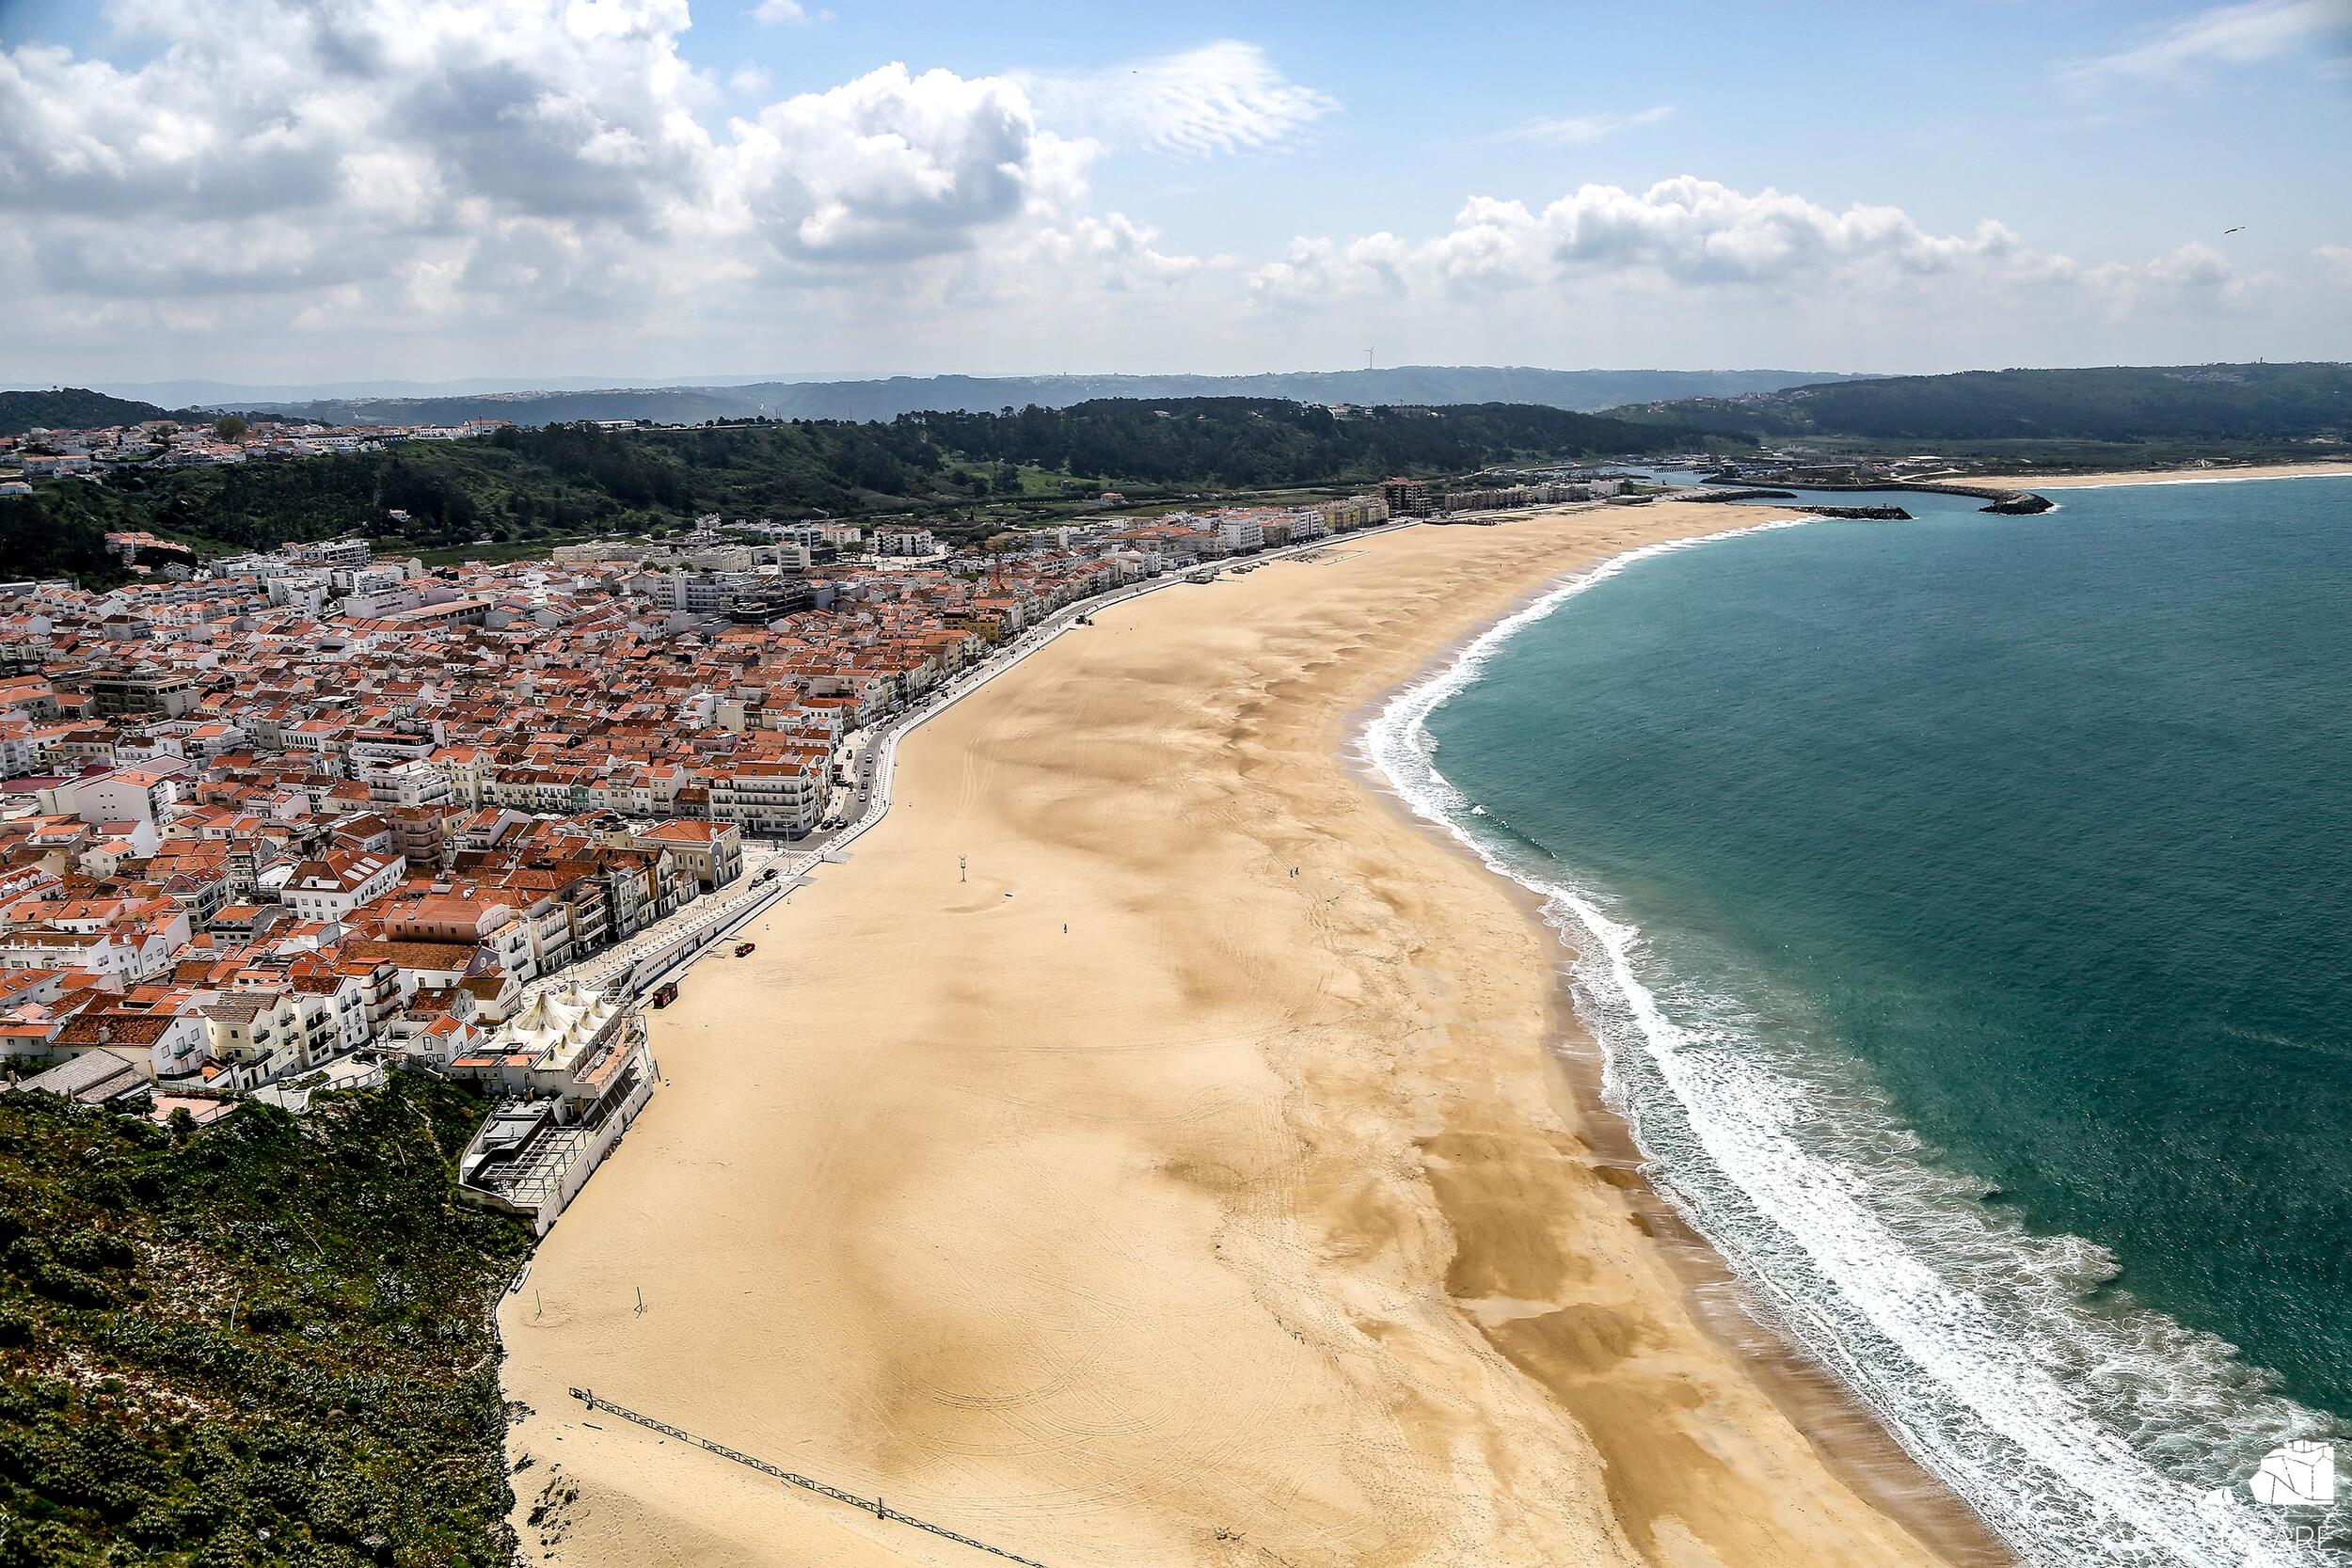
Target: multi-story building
[165,691]
[333,885]
[892,540]
[1408,497]
[775,798]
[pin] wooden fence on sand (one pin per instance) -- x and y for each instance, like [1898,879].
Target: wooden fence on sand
[874,1506]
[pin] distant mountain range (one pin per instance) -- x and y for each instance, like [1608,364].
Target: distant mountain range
[1580,392]
[2178,403]
[237,394]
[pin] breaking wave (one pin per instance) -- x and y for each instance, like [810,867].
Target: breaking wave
[2083,1429]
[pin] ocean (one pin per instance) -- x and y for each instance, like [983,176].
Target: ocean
[1964,910]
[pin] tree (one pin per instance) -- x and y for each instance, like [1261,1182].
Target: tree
[231,427]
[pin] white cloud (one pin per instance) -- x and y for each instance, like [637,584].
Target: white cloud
[1687,235]
[522,153]
[533,106]
[518,153]
[2191,277]
[1222,97]
[1582,129]
[2254,33]
[889,165]
[777,13]
[446,168]
[463,179]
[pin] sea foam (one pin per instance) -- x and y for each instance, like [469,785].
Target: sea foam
[2084,1434]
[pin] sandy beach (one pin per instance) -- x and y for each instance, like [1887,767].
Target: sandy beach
[1152,1147]
[2167,476]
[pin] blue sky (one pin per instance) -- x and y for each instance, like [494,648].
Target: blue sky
[1942,109]
[344,189]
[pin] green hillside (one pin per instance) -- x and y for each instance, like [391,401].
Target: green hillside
[71,409]
[2256,403]
[261,1342]
[981,471]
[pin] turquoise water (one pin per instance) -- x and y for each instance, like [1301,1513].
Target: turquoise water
[1965,908]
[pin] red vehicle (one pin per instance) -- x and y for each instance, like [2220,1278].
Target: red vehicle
[666,995]
[743,949]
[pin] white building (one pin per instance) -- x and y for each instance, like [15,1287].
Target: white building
[905,541]
[764,797]
[124,957]
[417,782]
[331,888]
[1238,531]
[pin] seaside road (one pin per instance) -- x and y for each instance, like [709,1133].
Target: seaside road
[1250,1219]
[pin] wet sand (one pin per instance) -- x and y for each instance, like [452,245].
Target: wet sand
[1192,1177]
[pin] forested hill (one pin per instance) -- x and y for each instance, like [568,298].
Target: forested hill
[2176,403]
[982,471]
[1257,441]
[888,398]
[70,408]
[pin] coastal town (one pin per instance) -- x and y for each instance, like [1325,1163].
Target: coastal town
[275,823]
[896,786]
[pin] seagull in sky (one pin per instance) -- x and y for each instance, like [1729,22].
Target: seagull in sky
[2232,230]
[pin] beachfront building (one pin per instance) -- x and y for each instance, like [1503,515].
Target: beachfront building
[1408,497]
[1238,532]
[1350,512]
[576,1069]
[709,853]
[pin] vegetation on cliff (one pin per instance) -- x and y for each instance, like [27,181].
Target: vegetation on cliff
[263,1342]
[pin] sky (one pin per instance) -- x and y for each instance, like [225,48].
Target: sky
[319,191]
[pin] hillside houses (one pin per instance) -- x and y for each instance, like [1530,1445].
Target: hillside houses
[306,802]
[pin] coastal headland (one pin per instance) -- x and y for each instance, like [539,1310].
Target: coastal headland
[1152,1147]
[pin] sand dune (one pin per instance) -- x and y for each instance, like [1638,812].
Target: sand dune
[1191,1180]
